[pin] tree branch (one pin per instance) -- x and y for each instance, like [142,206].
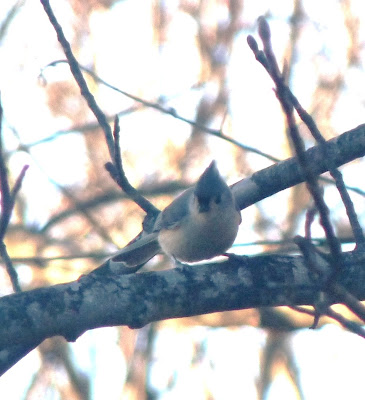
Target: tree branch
[105,298]
[7,204]
[343,149]
[79,78]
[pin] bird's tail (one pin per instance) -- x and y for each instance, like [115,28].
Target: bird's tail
[138,252]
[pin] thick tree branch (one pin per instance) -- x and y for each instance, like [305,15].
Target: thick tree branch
[342,149]
[105,298]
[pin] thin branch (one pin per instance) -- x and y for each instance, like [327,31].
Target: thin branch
[100,116]
[85,128]
[335,173]
[76,72]
[349,300]
[116,171]
[288,100]
[349,325]
[314,261]
[12,13]
[309,219]
[172,112]
[18,183]
[268,60]
[6,198]
[10,268]
[7,205]
[3,251]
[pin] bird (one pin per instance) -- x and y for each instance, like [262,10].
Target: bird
[200,224]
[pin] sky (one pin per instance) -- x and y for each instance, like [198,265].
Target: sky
[330,359]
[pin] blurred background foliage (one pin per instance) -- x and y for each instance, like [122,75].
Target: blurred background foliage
[189,58]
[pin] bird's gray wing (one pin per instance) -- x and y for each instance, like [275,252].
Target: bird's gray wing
[172,215]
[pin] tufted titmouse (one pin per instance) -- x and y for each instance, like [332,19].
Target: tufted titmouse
[199,224]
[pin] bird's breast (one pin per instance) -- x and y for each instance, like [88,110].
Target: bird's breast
[202,236]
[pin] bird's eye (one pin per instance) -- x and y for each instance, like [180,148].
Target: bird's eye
[218,199]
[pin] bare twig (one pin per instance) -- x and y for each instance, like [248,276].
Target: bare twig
[80,80]
[286,96]
[12,13]
[100,116]
[335,173]
[117,173]
[317,262]
[10,268]
[289,102]
[350,325]
[6,202]
[6,211]
[7,205]
[172,112]
[349,300]
[310,214]
[268,60]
